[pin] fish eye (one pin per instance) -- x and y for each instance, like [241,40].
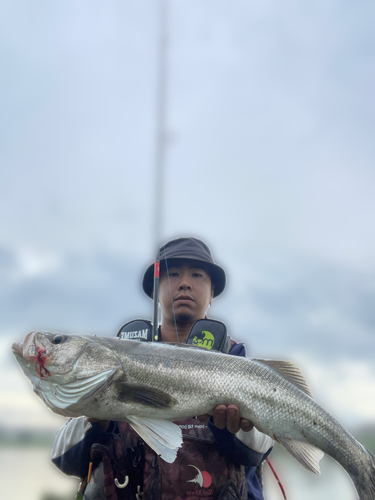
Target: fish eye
[58,339]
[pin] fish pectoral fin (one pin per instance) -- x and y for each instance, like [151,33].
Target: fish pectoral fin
[290,371]
[164,437]
[63,396]
[145,395]
[307,455]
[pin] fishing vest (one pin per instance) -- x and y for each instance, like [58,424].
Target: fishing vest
[131,470]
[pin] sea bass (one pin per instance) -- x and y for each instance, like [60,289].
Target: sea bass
[151,384]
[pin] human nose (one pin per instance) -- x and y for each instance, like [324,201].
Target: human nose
[185,283]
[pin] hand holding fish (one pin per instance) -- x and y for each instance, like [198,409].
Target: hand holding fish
[228,417]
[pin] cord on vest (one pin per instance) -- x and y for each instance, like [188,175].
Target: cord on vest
[277,478]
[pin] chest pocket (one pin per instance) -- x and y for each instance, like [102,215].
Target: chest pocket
[201,470]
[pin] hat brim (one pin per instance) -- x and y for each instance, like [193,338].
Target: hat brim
[217,274]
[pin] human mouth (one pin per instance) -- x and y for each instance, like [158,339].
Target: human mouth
[183,298]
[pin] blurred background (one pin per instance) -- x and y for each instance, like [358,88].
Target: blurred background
[268,144]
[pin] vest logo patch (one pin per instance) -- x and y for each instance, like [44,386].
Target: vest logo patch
[204,339]
[203,478]
[138,334]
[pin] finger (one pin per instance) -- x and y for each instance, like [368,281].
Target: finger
[246,425]
[233,419]
[220,416]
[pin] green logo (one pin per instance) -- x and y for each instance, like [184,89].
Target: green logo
[204,339]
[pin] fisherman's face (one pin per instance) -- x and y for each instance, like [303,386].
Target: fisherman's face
[187,291]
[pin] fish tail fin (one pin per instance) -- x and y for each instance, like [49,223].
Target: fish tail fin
[365,480]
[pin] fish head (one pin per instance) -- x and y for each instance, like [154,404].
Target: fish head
[63,358]
[77,363]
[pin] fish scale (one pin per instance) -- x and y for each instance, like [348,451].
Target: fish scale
[147,384]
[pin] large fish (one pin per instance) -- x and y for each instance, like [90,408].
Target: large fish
[150,384]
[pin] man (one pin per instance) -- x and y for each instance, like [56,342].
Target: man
[225,451]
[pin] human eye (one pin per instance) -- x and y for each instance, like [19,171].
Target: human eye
[197,274]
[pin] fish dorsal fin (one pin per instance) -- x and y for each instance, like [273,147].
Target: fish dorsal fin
[307,455]
[62,396]
[164,437]
[290,371]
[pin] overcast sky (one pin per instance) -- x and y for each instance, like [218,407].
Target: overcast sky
[270,159]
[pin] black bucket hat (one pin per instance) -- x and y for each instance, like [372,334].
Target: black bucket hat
[190,249]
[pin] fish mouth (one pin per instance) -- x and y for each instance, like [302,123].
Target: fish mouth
[30,347]
[33,353]
[17,349]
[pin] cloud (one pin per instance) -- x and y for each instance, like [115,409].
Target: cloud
[302,302]
[345,387]
[271,109]
[94,292]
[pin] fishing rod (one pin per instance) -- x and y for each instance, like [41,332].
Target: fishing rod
[160,152]
[155,297]
[155,323]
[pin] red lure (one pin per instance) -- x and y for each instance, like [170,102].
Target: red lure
[41,359]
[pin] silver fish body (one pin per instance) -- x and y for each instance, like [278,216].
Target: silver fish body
[144,383]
